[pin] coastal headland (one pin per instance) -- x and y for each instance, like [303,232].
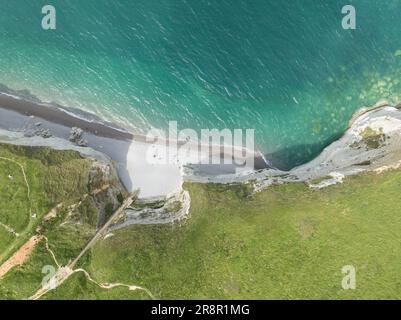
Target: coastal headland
[206,230]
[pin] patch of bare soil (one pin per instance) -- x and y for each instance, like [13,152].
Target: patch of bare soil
[21,256]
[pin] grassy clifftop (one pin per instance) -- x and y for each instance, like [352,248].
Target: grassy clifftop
[286,242]
[34,180]
[55,194]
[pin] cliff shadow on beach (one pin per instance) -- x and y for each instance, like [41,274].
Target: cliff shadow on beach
[33,119]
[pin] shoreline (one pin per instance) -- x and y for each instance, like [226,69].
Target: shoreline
[159,170]
[372,143]
[151,166]
[62,117]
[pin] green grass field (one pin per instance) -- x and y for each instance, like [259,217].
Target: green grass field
[15,204]
[287,242]
[53,177]
[5,239]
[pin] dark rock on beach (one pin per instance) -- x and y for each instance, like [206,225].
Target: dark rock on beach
[77,137]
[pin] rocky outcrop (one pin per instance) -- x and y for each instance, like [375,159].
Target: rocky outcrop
[164,210]
[77,137]
[105,189]
[371,143]
[38,132]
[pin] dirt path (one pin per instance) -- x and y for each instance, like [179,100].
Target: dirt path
[51,252]
[9,229]
[23,173]
[105,227]
[20,256]
[109,286]
[8,251]
[63,273]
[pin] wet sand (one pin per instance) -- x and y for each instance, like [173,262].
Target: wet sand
[58,116]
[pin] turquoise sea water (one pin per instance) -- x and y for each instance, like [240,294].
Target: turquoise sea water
[284,68]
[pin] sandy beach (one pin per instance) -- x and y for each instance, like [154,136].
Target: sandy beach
[156,168]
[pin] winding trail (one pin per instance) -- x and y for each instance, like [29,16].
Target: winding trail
[63,273]
[24,175]
[101,232]
[10,229]
[109,286]
[51,252]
